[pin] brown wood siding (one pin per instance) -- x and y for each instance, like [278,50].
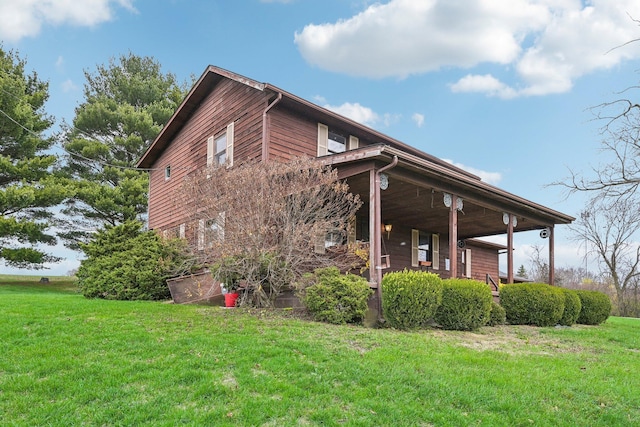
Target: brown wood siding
[230,101]
[483,261]
[292,135]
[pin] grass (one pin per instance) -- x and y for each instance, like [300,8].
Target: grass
[66,360]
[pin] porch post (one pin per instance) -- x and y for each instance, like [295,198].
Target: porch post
[453,236]
[510,250]
[374,244]
[552,275]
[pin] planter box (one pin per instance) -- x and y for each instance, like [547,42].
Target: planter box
[196,288]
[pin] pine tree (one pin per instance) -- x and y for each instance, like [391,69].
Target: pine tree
[126,104]
[28,184]
[522,272]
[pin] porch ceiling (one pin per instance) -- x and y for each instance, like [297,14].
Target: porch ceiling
[420,205]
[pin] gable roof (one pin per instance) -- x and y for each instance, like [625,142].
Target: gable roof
[213,75]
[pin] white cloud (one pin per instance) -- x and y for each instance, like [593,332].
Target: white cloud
[357,112]
[489,177]
[485,84]
[25,18]
[542,45]
[418,119]
[69,86]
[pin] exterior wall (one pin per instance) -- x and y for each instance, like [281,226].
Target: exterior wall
[291,135]
[483,261]
[230,101]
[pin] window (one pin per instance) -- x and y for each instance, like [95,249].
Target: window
[220,148]
[333,238]
[167,172]
[425,247]
[331,142]
[336,143]
[211,230]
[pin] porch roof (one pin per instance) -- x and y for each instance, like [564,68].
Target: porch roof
[415,194]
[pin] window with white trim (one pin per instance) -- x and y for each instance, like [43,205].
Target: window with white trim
[331,141]
[336,143]
[425,248]
[220,147]
[211,230]
[167,172]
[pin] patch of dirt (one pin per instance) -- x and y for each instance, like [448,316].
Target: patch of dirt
[512,340]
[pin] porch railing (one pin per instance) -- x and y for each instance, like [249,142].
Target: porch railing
[490,281]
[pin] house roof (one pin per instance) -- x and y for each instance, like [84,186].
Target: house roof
[213,75]
[414,166]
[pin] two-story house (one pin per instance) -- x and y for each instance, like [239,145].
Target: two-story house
[420,212]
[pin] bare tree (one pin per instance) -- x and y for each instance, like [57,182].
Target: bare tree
[620,175]
[609,227]
[539,268]
[262,225]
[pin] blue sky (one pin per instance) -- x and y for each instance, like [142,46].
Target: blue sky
[502,88]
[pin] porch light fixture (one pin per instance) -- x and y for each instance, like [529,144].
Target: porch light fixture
[387,228]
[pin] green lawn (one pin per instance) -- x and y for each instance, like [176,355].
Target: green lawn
[66,360]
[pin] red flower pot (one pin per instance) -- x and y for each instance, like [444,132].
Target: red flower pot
[230,299]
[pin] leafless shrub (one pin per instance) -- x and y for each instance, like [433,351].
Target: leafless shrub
[260,225]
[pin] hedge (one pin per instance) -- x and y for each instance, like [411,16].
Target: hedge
[466,305]
[410,298]
[572,307]
[535,304]
[596,307]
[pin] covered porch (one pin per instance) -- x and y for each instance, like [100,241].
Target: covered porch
[422,213]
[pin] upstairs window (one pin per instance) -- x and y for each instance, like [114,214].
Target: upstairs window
[331,141]
[167,172]
[220,148]
[336,143]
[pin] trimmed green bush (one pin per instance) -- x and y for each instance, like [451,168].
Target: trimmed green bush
[572,307]
[466,305]
[596,307]
[410,298]
[498,315]
[336,298]
[126,263]
[536,304]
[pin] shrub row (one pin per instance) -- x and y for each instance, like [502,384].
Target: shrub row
[540,304]
[412,299]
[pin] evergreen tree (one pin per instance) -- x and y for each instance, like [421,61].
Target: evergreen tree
[522,272]
[126,104]
[28,186]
